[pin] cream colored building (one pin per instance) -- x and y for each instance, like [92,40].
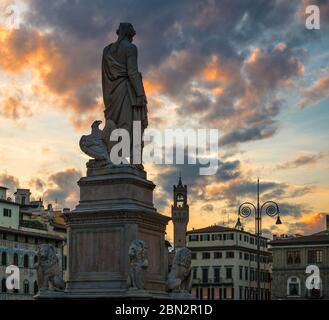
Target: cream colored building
[224,262]
[28,226]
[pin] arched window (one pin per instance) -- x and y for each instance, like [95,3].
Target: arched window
[4,259]
[180,200]
[26,261]
[15,259]
[35,287]
[26,287]
[293,287]
[3,285]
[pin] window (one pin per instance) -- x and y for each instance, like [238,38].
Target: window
[229,273]
[229,293]
[240,237]
[23,199]
[193,256]
[240,292]
[229,254]
[193,237]
[35,287]
[315,256]
[64,262]
[252,274]
[35,259]
[26,261]
[216,237]
[204,237]
[6,212]
[240,273]
[4,259]
[26,287]
[15,259]
[293,257]
[252,257]
[246,273]
[293,286]
[246,256]
[3,285]
[246,293]
[246,239]
[252,240]
[195,273]
[4,236]
[217,255]
[205,255]
[216,275]
[230,236]
[204,275]
[240,255]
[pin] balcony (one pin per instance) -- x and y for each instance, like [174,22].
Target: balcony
[222,281]
[17,245]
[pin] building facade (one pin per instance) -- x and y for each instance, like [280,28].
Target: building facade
[224,264]
[291,256]
[180,214]
[21,232]
[9,211]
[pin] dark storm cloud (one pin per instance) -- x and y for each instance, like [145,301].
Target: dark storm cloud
[178,39]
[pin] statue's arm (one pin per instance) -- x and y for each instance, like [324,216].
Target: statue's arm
[135,76]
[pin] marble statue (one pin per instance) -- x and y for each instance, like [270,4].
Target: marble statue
[123,95]
[48,272]
[138,265]
[180,276]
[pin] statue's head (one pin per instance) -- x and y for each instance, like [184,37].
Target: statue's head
[126,29]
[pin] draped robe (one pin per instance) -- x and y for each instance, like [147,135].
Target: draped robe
[122,84]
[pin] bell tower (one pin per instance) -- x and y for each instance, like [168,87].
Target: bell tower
[180,214]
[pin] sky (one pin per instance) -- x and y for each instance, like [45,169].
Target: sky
[250,69]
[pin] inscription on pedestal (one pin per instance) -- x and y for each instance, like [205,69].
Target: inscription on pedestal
[101,251]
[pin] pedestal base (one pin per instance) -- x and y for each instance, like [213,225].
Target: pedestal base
[114,209]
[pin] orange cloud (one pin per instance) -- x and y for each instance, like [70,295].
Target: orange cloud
[316,92]
[13,108]
[54,74]
[219,71]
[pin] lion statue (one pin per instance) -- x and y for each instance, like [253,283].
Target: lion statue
[138,265]
[180,276]
[48,273]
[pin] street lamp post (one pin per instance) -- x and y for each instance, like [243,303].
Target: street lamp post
[245,210]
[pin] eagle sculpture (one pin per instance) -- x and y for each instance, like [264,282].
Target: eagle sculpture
[93,144]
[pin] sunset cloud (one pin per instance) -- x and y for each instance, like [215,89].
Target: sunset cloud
[315,93]
[303,160]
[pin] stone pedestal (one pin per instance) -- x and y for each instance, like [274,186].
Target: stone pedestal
[115,208]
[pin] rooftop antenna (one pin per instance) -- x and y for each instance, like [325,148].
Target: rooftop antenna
[223,215]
